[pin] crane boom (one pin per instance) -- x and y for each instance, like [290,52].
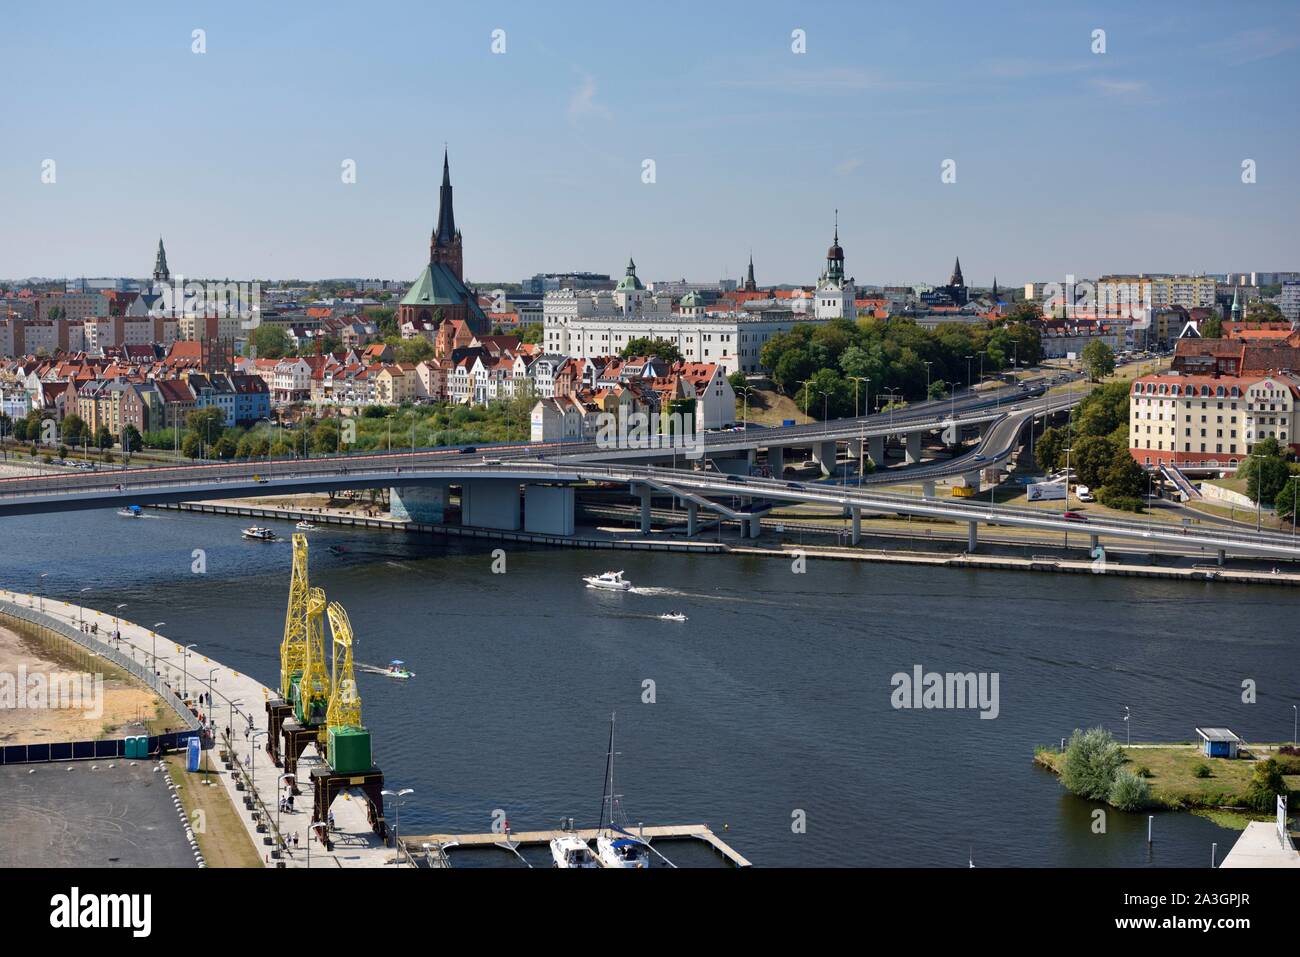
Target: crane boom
[293,647]
[345,700]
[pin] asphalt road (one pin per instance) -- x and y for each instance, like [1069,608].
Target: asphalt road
[113,813]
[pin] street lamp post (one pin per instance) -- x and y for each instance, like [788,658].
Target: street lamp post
[81,610]
[1128,737]
[399,799]
[185,674]
[252,758]
[41,581]
[230,725]
[154,643]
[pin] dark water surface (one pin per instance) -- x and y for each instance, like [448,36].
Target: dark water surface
[773,698]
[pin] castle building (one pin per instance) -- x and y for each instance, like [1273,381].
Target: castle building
[835,296]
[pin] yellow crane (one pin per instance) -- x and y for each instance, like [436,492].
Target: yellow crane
[348,742]
[293,648]
[315,684]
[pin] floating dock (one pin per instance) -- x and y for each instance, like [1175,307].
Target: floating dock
[414,844]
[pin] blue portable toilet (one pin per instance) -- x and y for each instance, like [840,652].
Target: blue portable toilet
[1219,742]
[193,751]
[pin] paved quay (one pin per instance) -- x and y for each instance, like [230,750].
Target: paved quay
[239,702]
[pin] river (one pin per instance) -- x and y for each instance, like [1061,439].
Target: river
[770,705]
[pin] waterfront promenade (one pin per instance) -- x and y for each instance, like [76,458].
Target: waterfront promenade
[238,702]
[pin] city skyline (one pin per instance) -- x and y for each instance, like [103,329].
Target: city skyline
[755,146]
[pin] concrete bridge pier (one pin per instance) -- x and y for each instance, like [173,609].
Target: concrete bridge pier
[857,525]
[912,448]
[692,519]
[755,527]
[1093,541]
[927,488]
[776,461]
[1223,555]
[549,509]
[425,504]
[490,503]
[876,450]
[972,536]
[643,492]
[824,455]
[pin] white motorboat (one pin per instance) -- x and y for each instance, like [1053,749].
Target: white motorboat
[305,526]
[131,511]
[259,533]
[570,851]
[610,581]
[672,616]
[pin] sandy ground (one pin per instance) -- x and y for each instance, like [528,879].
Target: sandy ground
[126,704]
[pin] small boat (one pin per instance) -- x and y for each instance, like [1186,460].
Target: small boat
[131,511]
[259,533]
[672,616]
[305,526]
[610,581]
[398,669]
[570,851]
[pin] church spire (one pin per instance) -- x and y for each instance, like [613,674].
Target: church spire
[160,271]
[750,285]
[445,244]
[446,230]
[957,279]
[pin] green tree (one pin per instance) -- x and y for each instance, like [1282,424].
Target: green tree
[207,421]
[1266,784]
[1049,450]
[1260,311]
[281,449]
[103,438]
[1125,478]
[270,342]
[533,333]
[1212,328]
[415,350]
[1284,502]
[191,445]
[74,427]
[645,346]
[1098,360]
[1092,759]
[131,439]
[223,448]
[738,380]
[1265,471]
[1091,458]
[1103,410]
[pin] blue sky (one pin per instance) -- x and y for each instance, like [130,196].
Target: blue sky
[1066,160]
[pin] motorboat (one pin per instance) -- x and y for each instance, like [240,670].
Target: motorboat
[305,526]
[397,669]
[610,581]
[672,616]
[570,851]
[259,533]
[614,851]
[131,511]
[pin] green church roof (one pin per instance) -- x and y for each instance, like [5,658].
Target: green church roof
[629,280]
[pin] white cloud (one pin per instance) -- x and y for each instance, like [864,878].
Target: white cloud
[582,102]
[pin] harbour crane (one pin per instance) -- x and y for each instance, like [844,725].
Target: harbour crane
[348,747]
[315,684]
[293,647]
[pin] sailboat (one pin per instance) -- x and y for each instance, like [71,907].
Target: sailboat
[615,845]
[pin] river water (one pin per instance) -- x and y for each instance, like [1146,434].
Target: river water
[771,705]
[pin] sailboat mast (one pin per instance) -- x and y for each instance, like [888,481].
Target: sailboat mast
[609,772]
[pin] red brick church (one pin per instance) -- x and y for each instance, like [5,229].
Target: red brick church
[439,297]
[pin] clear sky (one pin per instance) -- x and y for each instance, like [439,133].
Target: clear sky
[1067,161]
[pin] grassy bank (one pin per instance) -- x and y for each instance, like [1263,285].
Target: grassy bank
[222,837]
[1173,773]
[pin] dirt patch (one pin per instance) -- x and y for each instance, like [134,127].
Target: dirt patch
[87,709]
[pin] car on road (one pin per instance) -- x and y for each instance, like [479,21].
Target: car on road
[1074,517]
[794,485]
[468,450]
[735,478]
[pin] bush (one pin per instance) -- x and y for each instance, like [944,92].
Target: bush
[1122,503]
[1129,792]
[1265,786]
[1202,771]
[1092,759]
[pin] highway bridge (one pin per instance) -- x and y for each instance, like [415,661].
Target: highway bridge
[490,494]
